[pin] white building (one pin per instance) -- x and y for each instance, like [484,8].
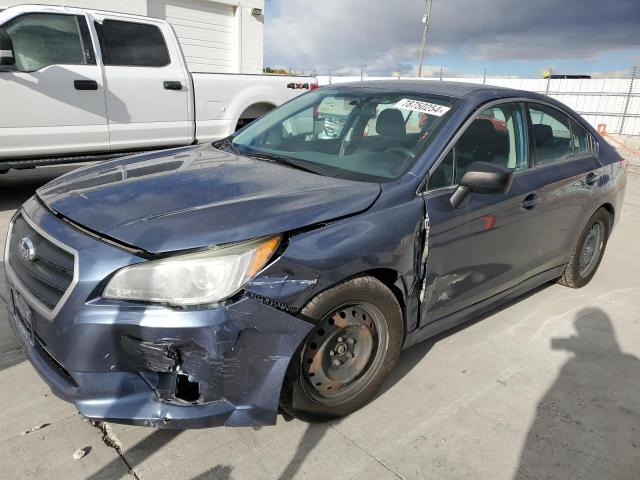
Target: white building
[223,36]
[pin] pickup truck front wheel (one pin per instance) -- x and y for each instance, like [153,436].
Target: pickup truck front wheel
[346,357]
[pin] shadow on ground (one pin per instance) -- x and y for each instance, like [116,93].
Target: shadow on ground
[408,360]
[587,425]
[17,186]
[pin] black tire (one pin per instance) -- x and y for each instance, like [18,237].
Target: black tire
[297,398]
[574,276]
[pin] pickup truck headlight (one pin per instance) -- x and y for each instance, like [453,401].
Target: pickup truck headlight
[193,279]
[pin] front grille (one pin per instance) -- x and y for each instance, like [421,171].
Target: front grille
[49,275]
[53,363]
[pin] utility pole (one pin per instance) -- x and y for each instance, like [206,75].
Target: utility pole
[425,20]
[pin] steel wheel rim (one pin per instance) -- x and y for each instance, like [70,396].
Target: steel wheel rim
[590,250]
[343,352]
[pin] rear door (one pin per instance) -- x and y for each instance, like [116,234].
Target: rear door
[53,99]
[148,87]
[483,248]
[567,175]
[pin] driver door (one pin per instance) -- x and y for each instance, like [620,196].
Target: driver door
[483,248]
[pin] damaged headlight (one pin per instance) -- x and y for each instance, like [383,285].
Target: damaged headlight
[193,279]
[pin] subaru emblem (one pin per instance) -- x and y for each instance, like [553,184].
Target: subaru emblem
[27,250]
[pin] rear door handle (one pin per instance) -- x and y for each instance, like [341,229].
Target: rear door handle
[173,85]
[591,179]
[530,201]
[85,84]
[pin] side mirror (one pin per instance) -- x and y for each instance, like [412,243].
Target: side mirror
[7,58]
[482,177]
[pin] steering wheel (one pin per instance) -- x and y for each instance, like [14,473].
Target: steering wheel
[402,150]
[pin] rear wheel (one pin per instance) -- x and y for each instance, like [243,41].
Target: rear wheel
[587,254]
[346,357]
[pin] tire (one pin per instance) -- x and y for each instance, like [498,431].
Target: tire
[575,275]
[360,325]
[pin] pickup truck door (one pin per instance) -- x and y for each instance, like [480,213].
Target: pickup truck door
[52,100]
[149,97]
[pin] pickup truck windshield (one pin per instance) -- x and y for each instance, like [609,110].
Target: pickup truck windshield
[359,134]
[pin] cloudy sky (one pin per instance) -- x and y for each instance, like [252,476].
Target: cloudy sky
[508,37]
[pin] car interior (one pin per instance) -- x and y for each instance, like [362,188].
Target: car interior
[372,140]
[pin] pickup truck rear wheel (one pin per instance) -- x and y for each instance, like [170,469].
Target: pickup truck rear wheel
[346,357]
[587,254]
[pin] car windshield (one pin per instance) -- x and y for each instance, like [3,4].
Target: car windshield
[358,133]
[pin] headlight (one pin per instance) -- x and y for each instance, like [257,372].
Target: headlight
[193,279]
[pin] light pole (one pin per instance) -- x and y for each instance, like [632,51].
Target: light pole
[425,21]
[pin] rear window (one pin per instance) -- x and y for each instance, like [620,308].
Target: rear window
[551,134]
[582,143]
[130,44]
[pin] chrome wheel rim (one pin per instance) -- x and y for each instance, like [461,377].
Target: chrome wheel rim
[343,353]
[590,251]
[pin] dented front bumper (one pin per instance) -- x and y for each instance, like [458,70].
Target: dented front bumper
[153,365]
[228,370]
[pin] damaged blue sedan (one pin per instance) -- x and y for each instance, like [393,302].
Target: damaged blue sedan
[283,269]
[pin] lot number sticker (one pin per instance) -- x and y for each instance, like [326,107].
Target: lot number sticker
[422,107]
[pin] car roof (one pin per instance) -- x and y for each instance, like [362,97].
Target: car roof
[435,87]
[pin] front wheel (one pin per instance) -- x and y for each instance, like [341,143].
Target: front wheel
[587,254]
[346,357]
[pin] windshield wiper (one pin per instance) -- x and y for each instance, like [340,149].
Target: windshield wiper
[304,166]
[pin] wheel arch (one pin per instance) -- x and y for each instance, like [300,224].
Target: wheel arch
[610,209]
[252,112]
[389,277]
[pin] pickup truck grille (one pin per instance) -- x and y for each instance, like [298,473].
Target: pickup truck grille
[49,274]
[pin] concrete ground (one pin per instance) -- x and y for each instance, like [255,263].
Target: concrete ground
[547,387]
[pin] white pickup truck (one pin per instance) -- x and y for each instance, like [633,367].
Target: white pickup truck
[79,85]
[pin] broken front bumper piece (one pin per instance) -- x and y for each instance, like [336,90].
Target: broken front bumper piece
[226,368]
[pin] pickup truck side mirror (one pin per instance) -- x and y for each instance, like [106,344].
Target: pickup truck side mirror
[7,58]
[482,177]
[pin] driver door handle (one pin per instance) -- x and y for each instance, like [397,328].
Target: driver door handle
[85,85]
[173,86]
[530,201]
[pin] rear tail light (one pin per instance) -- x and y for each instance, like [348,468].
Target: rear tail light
[314,86]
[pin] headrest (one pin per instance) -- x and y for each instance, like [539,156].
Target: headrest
[481,129]
[477,136]
[391,123]
[543,135]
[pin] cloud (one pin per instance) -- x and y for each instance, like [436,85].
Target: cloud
[382,36]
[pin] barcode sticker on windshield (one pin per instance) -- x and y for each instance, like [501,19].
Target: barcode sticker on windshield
[423,107]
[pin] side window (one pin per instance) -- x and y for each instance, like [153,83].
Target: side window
[42,39]
[129,44]
[581,140]
[551,135]
[497,136]
[444,174]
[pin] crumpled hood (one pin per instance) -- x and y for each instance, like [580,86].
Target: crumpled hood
[198,196]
